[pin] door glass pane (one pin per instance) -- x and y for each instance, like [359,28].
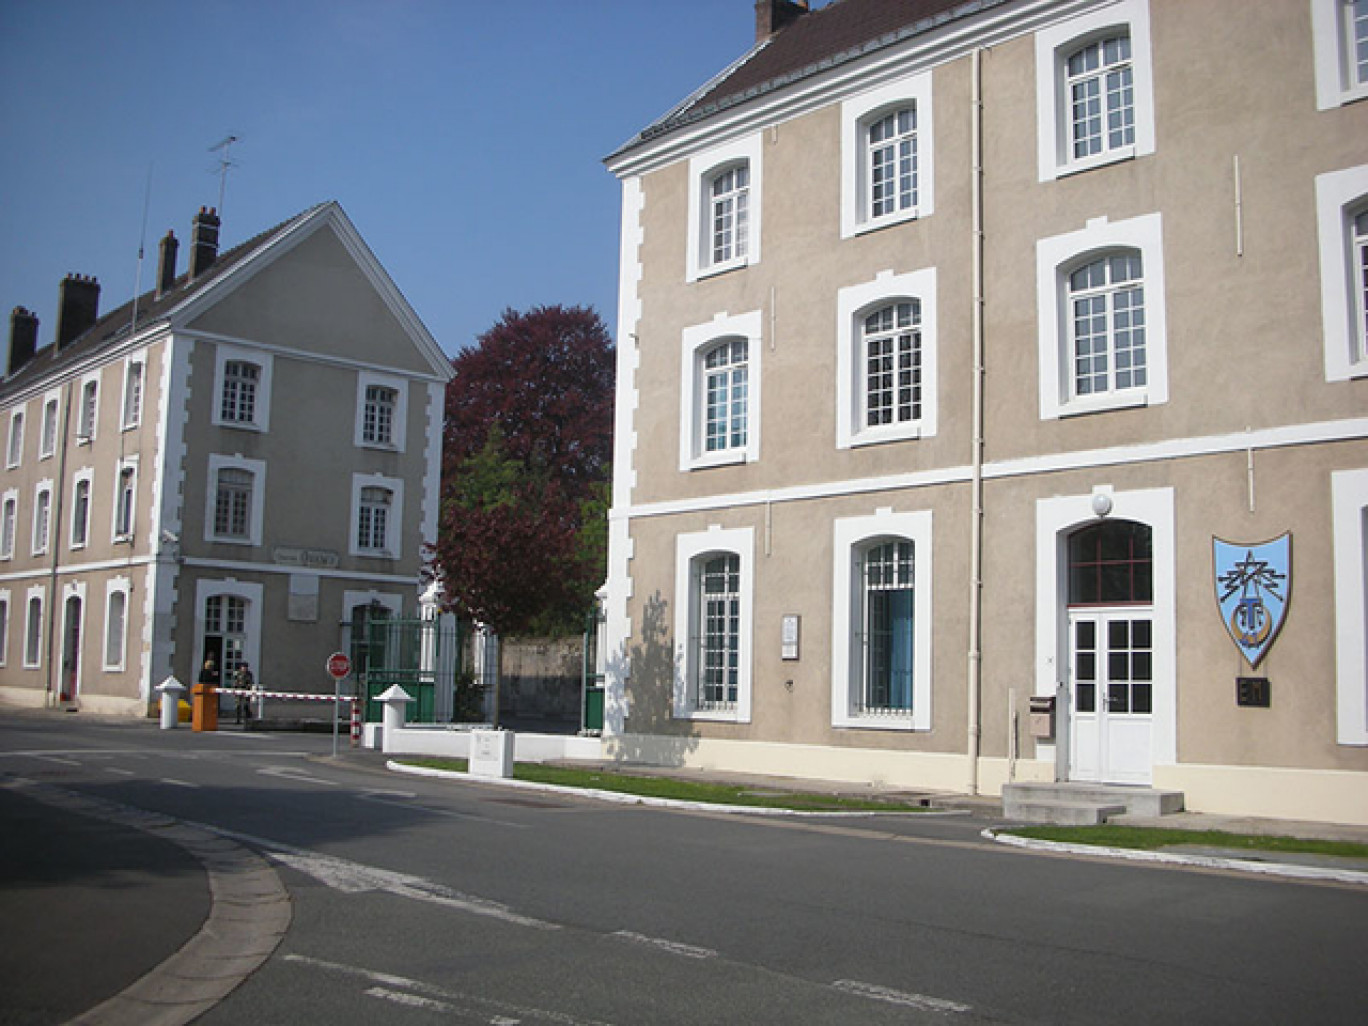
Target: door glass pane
[1141,697]
[1118,697]
[1085,666]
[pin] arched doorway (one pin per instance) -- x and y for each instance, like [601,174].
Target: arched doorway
[1111,652]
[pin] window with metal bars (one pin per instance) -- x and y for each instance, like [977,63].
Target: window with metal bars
[887,629]
[717,588]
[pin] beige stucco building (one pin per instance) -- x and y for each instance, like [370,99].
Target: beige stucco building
[952,339]
[238,465]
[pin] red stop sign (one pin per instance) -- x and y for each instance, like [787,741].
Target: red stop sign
[339,665]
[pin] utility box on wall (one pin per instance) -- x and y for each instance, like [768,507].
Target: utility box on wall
[1042,717]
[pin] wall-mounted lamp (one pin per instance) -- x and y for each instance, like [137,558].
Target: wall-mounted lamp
[1101,503]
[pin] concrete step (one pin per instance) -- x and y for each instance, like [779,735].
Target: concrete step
[1140,801]
[1060,813]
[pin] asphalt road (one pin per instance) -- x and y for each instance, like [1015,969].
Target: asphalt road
[420,901]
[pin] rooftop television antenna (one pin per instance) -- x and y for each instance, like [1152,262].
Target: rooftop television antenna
[225,162]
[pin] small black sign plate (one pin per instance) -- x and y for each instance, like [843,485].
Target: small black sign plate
[1252,691]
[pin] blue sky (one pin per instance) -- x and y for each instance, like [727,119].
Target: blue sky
[464,138]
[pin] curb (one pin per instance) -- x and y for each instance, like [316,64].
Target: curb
[248,915]
[1286,870]
[622,798]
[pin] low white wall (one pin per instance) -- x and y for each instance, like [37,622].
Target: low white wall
[454,743]
[1323,796]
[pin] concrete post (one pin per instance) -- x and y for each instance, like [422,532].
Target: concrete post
[171,691]
[395,701]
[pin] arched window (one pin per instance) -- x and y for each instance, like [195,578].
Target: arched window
[1111,564]
[729,214]
[233,503]
[725,393]
[1101,97]
[1106,311]
[893,364]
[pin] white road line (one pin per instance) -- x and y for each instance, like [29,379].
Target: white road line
[897,997]
[671,947]
[410,1000]
[501,1012]
[290,773]
[57,759]
[179,783]
[119,772]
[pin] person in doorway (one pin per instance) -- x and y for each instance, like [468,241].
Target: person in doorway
[244,681]
[209,676]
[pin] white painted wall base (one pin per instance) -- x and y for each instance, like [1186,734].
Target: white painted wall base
[23,698]
[450,742]
[1322,796]
[100,705]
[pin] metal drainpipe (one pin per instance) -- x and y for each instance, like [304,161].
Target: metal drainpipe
[975,668]
[55,543]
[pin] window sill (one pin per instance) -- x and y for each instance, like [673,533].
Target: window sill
[912,433]
[1076,167]
[240,425]
[872,225]
[709,716]
[714,270]
[905,724]
[1104,404]
[723,458]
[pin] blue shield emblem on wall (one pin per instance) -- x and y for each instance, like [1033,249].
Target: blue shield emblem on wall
[1253,585]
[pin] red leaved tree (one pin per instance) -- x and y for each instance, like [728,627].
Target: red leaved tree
[525,470]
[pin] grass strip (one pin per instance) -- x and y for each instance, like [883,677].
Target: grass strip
[1156,838]
[680,790]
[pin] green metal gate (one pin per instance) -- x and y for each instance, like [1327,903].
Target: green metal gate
[422,656]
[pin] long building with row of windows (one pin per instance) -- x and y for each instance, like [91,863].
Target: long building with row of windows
[991,403]
[240,465]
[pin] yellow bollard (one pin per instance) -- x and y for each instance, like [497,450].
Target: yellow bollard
[204,715]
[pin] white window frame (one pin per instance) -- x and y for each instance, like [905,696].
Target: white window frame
[857,115]
[703,170]
[42,517]
[261,412]
[47,437]
[122,587]
[4,625]
[689,549]
[115,535]
[84,476]
[1340,195]
[9,522]
[33,627]
[134,392]
[1332,41]
[14,446]
[88,410]
[394,529]
[1056,257]
[1349,509]
[697,341]
[851,537]
[1053,47]
[257,512]
[852,305]
[367,380]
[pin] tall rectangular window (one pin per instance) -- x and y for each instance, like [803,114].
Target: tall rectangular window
[1360,243]
[15,451]
[233,503]
[1101,95]
[893,364]
[123,503]
[80,513]
[238,402]
[4,629]
[373,520]
[892,163]
[33,632]
[116,613]
[730,209]
[90,408]
[225,631]
[9,513]
[718,592]
[1107,325]
[725,387]
[887,629]
[377,426]
[42,519]
[133,394]
[48,440]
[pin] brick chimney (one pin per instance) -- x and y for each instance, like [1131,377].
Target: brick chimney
[773,15]
[204,234]
[23,338]
[166,267]
[78,307]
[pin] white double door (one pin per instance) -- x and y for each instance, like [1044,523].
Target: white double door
[1111,668]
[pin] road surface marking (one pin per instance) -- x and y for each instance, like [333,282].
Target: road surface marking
[290,773]
[57,759]
[897,997]
[120,772]
[502,1012]
[672,947]
[178,783]
[410,1000]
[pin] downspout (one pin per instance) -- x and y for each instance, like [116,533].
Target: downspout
[55,544]
[975,668]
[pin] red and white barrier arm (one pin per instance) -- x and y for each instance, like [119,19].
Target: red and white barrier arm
[253,693]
